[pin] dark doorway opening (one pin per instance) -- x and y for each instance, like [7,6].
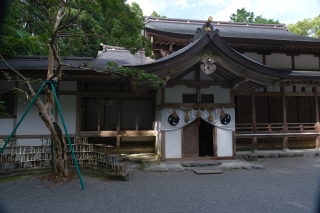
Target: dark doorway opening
[205,138]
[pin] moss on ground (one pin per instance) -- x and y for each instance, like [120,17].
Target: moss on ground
[3,180]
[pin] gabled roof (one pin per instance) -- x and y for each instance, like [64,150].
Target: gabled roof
[230,31]
[213,39]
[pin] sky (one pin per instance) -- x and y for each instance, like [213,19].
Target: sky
[286,11]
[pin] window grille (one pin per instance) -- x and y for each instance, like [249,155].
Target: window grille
[190,98]
[207,98]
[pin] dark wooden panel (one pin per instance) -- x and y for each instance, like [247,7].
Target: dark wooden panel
[305,109]
[245,109]
[292,110]
[190,140]
[275,109]
[261,109]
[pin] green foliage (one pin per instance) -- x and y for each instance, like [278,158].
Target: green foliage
[306,27]
[110,22]
[2,108]
[244,16]
[138,76]
[155,14]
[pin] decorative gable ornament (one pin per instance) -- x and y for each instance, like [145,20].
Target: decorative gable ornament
[208,65]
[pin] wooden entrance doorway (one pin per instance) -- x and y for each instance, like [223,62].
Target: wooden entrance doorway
[197,141]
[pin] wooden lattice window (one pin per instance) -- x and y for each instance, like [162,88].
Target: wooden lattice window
[207,98]
[244,109]
[261,109]
[190,98]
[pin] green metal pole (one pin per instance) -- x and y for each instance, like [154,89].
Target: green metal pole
[65,129]
[14,130]
[52,157]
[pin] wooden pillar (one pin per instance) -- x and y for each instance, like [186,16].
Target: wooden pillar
[292,62]
[215,142]
[118,144]
[137,116]
[284,110]
[163,95]
[15,108]
[285,144]
[285,125]
[78,115]
[253,105]
[118,115]
[254,124]
[255,144]
[182,143]
[163,146]
[316,103]
[234,146]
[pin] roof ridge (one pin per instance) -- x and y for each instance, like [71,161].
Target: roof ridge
[225,23]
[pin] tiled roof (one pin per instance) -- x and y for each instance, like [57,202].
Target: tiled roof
[228,29]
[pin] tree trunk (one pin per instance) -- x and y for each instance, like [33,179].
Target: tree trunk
[60,148]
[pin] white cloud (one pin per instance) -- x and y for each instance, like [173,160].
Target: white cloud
[183,3]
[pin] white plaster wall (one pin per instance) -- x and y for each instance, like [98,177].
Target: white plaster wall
[67,86]
[277,60]
[254,56]
[173,143]
[298,88]
[221,95]
[204,77]
[190,77]
[68,104]
[5,85]
[273,89]
[288,89]
[174,95]
[224,142]
[306,62]
[32,123]
[6,126]
[158,97]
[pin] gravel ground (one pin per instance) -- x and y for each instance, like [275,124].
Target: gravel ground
[286,185]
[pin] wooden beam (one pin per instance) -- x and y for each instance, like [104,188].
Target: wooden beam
[236,82]
[210,83]
[118,144]
[214,77]
[189,70]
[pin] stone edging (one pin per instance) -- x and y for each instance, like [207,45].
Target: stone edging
[278,155]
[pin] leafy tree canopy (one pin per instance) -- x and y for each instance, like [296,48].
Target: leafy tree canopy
[155,14]
[306,27]
[113,22]
[244,16]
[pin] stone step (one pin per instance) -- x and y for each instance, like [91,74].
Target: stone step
[200,163]
[209,171]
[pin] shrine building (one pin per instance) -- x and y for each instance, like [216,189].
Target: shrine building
[227,86]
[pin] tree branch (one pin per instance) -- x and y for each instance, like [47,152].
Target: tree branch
[13,69]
